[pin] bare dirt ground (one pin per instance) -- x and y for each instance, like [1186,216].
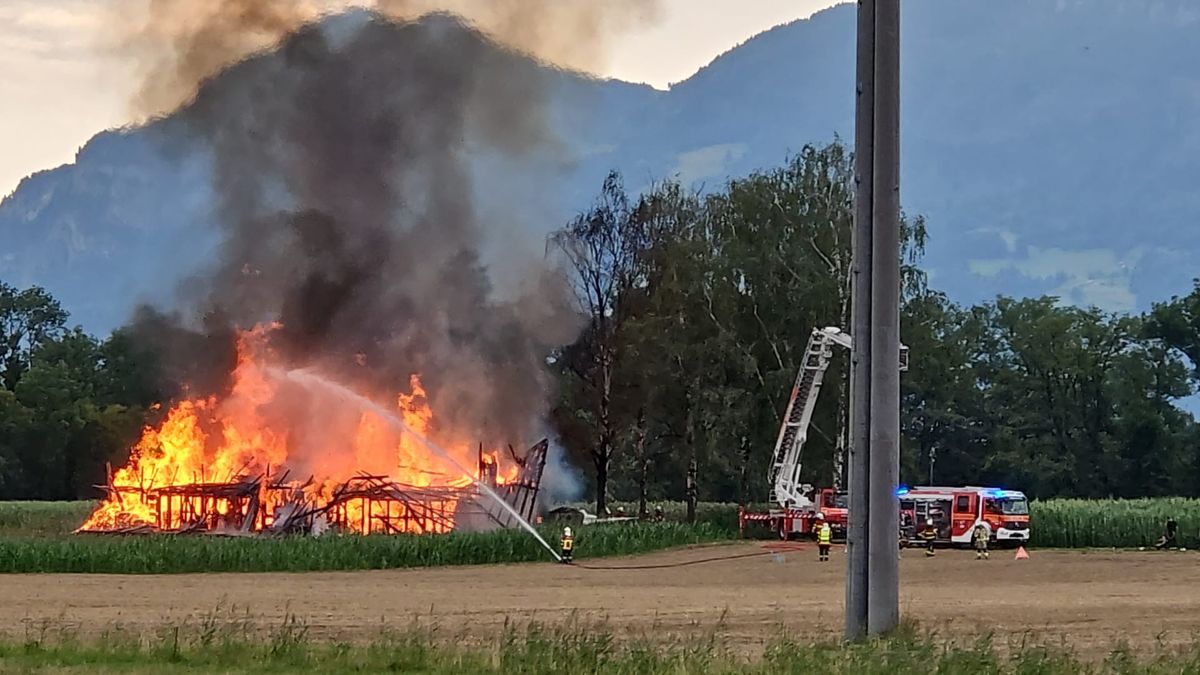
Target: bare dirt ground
[1094,599]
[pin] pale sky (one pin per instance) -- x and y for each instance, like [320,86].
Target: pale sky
[59,84]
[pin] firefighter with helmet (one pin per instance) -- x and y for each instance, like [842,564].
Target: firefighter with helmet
[980,540]
[929,534]
[567,545]
[824,538]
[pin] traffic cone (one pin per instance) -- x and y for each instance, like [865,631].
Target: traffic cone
[1021,554]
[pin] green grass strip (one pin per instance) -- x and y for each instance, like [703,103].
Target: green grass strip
[571,648]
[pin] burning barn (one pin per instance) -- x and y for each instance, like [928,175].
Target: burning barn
[369,335]
[254,462]
[363,504]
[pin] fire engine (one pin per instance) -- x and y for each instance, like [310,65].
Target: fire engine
[957,511]
[799,503]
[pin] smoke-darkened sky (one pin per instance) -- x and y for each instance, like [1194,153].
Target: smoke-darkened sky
[63,84]
[347,206]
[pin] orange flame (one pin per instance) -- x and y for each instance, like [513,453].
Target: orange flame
[267,430]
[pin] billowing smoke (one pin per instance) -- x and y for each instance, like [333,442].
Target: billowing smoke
[177,44]
[562,483]
[344,167]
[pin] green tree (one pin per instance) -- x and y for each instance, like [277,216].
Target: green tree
[601,247]
[1058,401]
[16,429]
[944,419]
[726,289]
[28,318]
[75,404]
[61,386]
[1177,324]
[668,341]
[1157,439]
[131,375]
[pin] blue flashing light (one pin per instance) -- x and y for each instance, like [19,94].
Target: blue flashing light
[901,491]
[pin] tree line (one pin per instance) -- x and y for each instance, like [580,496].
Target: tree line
[69,403]
[699,307]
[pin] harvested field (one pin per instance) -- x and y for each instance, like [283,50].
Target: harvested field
[1094,599]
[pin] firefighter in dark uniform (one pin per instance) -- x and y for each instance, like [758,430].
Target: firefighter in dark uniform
[929,533]
[1167,541]
[980,540]
[824,538]
[567,545]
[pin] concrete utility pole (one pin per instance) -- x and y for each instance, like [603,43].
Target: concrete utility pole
[860,328]
[883,565]
[873,581]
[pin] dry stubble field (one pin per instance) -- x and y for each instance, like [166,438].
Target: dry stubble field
[1094,599]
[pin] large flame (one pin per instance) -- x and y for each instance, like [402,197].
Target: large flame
[299,442]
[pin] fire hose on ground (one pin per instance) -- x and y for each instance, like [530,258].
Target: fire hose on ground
[682,563]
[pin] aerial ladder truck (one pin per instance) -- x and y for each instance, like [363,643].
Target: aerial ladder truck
[796,503]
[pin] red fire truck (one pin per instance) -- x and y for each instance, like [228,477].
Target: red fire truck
[792,522]
[835,506]
[799,503]
[957,511]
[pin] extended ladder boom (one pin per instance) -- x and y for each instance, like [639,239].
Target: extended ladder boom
[786,488]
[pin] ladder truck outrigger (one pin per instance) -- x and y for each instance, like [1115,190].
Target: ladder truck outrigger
[797,503]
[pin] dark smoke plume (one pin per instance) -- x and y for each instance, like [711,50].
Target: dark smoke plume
[342,162]
[181,43]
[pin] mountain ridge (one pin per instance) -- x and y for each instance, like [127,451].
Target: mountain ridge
[1049,146]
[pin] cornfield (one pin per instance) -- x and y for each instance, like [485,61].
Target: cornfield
[33,538]
[172,554]
[719,514]
[42,519]
[1112,523]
